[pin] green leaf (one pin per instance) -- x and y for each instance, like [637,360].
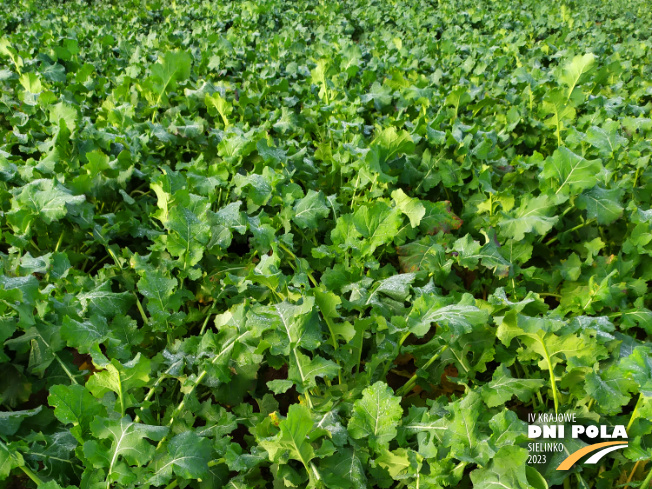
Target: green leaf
[438,217]
[463,435]
[171,68]
[327,302]
[375,416]
[103,301]
[43,342]
[187,457]
[224,223]
[124,336]
[409,206]
[9,459]
[506,470]
[74,404]
[121,378]
[304,370]
[310,209]
[640,317]
[86,334]
[290,326]
[458,98]
[458,318]
[400,463]
[397,287]
[343,470]
[539,335]
[427,255]
[10,421]
[128,442]
[189,234]
[638,366]
[292,441]
[532,216]
[46,199]
[429,428]
[427,173]
[218,105]
[574,70]
[571,173]
[606,139]
[65,113]
[159,291]
[610,389]
[503,386]
[555,106]
[507,429]
[601,204]
[470,252]
[377,223]
[280,386]
[392,143]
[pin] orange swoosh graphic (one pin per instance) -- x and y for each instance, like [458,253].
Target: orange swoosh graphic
[575,456]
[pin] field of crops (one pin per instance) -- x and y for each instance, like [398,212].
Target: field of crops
[313,244]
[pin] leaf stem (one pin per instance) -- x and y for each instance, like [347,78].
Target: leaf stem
[140,306]
[579,226]
[94,267]
[407,387]
[631,474]
[28,472]
[635,412]
[200,377]
[548,294]
[331,326]
[287,250]
[306,393]
[303,235]
[294,257]
[360,347]
[315,471]
[398,350]
[552,376]
[56,248]
[152,389]
[647,483]
[141,310]
[355,190]
[65,369]
[56,356]
[208,316]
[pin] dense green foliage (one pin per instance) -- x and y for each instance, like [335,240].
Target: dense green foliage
[322,244]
